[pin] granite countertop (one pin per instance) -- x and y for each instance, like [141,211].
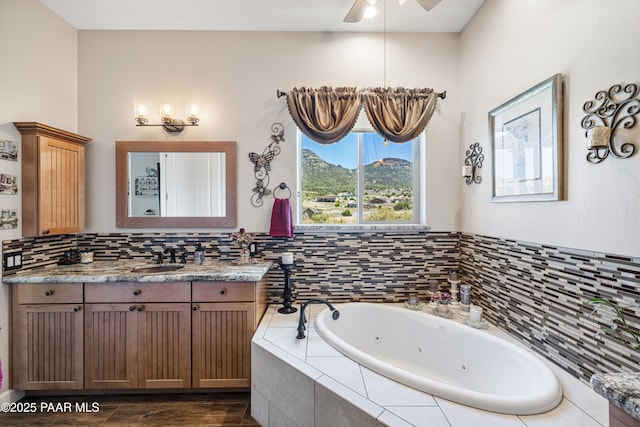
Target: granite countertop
[622,390]
[124,271]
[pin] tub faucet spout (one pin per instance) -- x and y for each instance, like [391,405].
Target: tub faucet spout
[302,320]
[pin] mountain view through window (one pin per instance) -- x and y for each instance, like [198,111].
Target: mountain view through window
[360,179]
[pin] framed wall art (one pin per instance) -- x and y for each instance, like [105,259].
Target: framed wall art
[525,135]
[8,150]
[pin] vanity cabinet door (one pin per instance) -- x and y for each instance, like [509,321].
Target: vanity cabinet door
[111,350]
[48,341]
[221,344]
[138,345]
[165,357]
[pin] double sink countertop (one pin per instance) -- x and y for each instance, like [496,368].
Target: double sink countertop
[137,271]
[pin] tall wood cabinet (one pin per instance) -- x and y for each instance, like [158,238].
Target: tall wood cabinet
[53,176]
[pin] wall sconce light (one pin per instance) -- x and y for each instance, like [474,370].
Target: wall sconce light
[472,163]
[611,109]
[168,123]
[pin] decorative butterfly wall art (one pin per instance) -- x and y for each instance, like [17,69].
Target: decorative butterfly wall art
[262,165]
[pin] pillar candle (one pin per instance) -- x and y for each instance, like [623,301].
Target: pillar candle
[287,258]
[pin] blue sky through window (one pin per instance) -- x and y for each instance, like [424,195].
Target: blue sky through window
[345,152]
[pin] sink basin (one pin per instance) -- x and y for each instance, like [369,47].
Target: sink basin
[158,268]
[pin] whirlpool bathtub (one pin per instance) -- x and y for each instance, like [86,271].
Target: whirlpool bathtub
[442,357]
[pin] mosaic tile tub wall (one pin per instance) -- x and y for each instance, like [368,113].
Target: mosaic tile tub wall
[534,291]
[537,293]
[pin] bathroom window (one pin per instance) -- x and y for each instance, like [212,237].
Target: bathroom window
[359,180]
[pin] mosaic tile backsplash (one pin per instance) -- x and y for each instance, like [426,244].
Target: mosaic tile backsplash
[534,291]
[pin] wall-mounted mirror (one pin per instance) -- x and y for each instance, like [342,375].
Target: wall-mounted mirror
[175,184]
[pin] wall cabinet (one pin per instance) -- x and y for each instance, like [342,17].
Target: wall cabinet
[47,336]
[52,180]
[134,335]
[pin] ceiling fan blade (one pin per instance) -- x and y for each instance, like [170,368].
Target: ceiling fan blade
[428,4]
[356,13]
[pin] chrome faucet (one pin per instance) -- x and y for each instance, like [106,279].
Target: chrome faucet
[302,320]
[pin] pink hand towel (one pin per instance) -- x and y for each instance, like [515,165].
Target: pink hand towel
[281,220]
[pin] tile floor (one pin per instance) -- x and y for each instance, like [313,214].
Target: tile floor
[392,403]
[188,409]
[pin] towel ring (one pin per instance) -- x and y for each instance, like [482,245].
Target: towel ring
[282,186]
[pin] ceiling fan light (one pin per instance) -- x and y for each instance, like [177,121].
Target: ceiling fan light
[370,12]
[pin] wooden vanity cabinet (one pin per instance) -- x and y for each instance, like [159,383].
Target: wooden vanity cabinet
[225,316]
[137,335]
[127,335]
[47,336]
[52,180]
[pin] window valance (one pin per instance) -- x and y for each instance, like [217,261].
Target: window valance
[327,115]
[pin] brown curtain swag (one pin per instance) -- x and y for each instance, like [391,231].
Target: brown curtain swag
[327,115]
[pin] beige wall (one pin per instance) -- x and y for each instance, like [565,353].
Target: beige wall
[234,77]
[512,45]
[38,82]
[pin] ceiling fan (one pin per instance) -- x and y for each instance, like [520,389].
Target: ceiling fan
[361,7]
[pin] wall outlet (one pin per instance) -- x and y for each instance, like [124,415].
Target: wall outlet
[11,261]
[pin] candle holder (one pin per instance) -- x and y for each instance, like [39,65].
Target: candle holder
[454,293]
[287,296]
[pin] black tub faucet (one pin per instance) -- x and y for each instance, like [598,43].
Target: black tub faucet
[301,326]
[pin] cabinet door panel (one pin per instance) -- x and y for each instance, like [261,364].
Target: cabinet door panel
[221,344]
[50,347]
[62,186]
[111,346]
[166,346]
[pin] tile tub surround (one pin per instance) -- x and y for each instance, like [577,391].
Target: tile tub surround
[533,291]
[537,293]
[308,383]
[622,390]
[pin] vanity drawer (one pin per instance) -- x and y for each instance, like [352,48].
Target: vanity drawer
[46,293]
[223,291]
[137,292]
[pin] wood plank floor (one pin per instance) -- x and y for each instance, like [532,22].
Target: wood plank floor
[208,409]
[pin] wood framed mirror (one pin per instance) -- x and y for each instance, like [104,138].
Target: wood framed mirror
[180,184]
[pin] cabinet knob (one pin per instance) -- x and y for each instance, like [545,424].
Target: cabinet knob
[76,308]
[223,291]
[140,307]
[49,292]
[132,307]
[45,231]
[195,308]
[137,292]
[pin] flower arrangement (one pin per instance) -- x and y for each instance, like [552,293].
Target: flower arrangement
[241,238]
[619,327]
[441,297]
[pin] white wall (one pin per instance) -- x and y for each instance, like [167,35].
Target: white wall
[234,77]
[508,47]
[38,82]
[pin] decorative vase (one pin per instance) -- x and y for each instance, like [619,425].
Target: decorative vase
[442,308]
[244,254]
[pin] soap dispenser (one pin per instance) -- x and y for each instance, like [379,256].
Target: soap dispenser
[198,256]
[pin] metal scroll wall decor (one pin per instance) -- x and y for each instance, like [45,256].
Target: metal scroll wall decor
[610,110]
[262,165]
[472,163]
